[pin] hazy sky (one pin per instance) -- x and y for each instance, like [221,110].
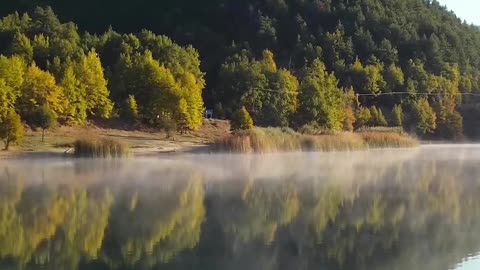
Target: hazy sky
[465,9]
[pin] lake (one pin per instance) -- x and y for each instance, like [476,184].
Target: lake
[374,210]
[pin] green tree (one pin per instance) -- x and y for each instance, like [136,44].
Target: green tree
[243,82]
[159,93]
[281,102]
[11,128]
[44,118]
[394,78]
[398,116]
[22,46]
[75,93]
[374,84]
[425,119]
[89,72]
[377,117]
[320,99]
[130,108]
[241,120]
[364,117]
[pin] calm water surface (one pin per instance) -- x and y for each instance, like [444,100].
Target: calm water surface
[377,210]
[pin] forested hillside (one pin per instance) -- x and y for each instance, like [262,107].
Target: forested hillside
[329,63]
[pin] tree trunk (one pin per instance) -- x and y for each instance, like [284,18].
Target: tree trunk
[43,135]
[7,143]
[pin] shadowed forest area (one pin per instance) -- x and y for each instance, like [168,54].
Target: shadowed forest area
[335,65]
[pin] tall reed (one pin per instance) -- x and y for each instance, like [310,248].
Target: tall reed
[270,140]
[100,148]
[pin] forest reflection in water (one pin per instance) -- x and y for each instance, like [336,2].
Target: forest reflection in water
[385,209]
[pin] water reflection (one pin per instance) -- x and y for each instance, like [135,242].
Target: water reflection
[395,209]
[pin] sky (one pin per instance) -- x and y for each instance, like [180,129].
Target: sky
[465,9]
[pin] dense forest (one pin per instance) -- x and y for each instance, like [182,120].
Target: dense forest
[335,64]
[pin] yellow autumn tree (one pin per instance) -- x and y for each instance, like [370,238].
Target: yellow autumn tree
[11,79]
[90,74]
[40,89]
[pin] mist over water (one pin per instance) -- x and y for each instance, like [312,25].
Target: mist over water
[380,209]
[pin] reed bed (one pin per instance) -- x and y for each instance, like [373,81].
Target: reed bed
[388,140]
[271,140]
[100,148]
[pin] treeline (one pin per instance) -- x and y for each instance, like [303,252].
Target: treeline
[288,62]
[48,70]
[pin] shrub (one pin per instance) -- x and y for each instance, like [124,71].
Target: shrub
[241,120]
[100,148]
[11,128]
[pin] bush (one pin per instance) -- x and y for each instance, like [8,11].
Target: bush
[100,148]
[11,129]
[241,120]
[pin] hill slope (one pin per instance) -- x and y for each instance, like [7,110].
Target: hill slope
[373,46]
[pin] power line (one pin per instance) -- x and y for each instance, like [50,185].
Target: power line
[419,94]
[387,93]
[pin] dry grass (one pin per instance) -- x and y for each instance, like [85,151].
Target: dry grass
[100,148]
[270,140]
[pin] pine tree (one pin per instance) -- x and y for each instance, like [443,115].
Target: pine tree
[22,46]
[11,129]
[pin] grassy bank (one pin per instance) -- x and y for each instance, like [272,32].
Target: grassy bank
[269,140]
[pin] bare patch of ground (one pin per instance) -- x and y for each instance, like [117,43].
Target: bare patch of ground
[141,142]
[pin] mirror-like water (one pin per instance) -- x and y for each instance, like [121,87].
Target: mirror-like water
[385,209]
